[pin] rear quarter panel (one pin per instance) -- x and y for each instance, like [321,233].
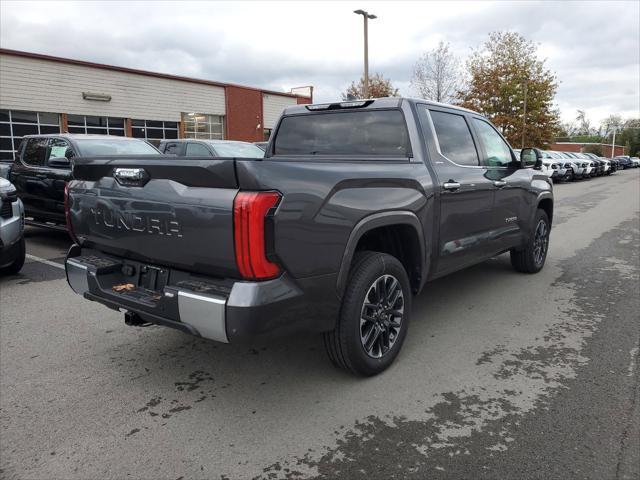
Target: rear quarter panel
[324,200]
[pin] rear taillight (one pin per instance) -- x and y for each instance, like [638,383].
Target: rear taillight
[67,213]
[250,210]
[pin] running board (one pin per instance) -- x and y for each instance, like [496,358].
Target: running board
[50,225]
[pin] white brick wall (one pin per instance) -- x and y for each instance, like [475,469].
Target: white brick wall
[49,86]
[272,107]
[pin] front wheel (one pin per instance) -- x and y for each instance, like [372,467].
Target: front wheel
[569,175]
[374,316]
[16,265]
[531,259]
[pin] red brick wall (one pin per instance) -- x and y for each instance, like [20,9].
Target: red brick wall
[304,100]
[578,147]
[244,114]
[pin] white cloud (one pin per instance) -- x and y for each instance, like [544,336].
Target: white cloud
[592,46]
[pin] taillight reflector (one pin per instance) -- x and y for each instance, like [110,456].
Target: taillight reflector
[67,213]
[249,212]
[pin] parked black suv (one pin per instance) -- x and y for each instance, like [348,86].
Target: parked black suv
[43,167]
[354,207]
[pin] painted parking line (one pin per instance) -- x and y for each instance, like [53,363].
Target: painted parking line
[45,261]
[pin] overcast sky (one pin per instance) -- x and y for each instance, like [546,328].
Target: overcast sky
[592,46]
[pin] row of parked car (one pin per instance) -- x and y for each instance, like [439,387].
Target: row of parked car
[569,166]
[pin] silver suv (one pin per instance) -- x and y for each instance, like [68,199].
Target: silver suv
[12,248]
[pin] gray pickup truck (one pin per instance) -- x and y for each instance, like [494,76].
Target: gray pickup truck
[353,209]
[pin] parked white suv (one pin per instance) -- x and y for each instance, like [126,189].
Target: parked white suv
[12,247]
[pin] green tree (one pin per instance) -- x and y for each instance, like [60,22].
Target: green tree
[378,87]
[503,72]
[629,136]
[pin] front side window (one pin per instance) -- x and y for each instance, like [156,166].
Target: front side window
[454,138]
[197,150]
[498,152]
[380,133]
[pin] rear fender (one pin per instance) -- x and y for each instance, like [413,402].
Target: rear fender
[377,220]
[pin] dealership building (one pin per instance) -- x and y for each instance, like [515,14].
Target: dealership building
[45,94]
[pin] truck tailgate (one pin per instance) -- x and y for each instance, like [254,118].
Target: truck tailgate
[167,211]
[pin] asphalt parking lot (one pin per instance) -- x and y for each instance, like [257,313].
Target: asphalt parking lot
[503,375]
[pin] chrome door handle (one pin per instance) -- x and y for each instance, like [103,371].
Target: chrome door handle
[499,183]
[451,185]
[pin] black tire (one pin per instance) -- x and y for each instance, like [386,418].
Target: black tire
[568,177]
[18,262]
[529,259]
[345,344]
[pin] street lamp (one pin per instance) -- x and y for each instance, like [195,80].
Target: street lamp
[366,16]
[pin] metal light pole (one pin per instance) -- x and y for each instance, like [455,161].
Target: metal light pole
[524,116]
[366,16]
[613,146]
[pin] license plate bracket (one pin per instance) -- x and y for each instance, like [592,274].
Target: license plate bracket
[153,278]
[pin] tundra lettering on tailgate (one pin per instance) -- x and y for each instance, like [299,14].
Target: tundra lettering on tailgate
[135,222]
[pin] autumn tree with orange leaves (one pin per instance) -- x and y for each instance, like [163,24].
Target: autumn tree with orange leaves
[502,74]
[378,87]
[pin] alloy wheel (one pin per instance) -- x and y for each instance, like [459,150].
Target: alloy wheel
[540,242]
[381,316]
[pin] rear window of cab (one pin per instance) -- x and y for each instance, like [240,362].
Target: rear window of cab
[368,133]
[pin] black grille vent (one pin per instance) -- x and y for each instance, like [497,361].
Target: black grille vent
[6,211]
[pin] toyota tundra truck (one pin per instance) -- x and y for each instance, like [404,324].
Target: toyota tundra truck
[354,208]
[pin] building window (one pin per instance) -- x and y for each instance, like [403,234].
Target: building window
[267,134]
[14,124]
[154,130]
[96,125]
[202,125]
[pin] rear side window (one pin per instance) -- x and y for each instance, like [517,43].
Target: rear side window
[197,150]
[454,138]
[35,151]
[368,133]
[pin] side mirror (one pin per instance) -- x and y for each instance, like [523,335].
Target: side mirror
[531,158]
[59,162]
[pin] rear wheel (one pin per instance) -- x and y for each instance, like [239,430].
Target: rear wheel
[531,259]
[374,316]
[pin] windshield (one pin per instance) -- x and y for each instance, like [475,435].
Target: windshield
[95,147]
[238,150]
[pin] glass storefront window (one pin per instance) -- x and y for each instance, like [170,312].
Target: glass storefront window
[154,129]
[14,124]
[203,126]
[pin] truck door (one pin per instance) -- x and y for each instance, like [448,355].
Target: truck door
[28,175]
[58,172]
[511,186]
[465,190]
